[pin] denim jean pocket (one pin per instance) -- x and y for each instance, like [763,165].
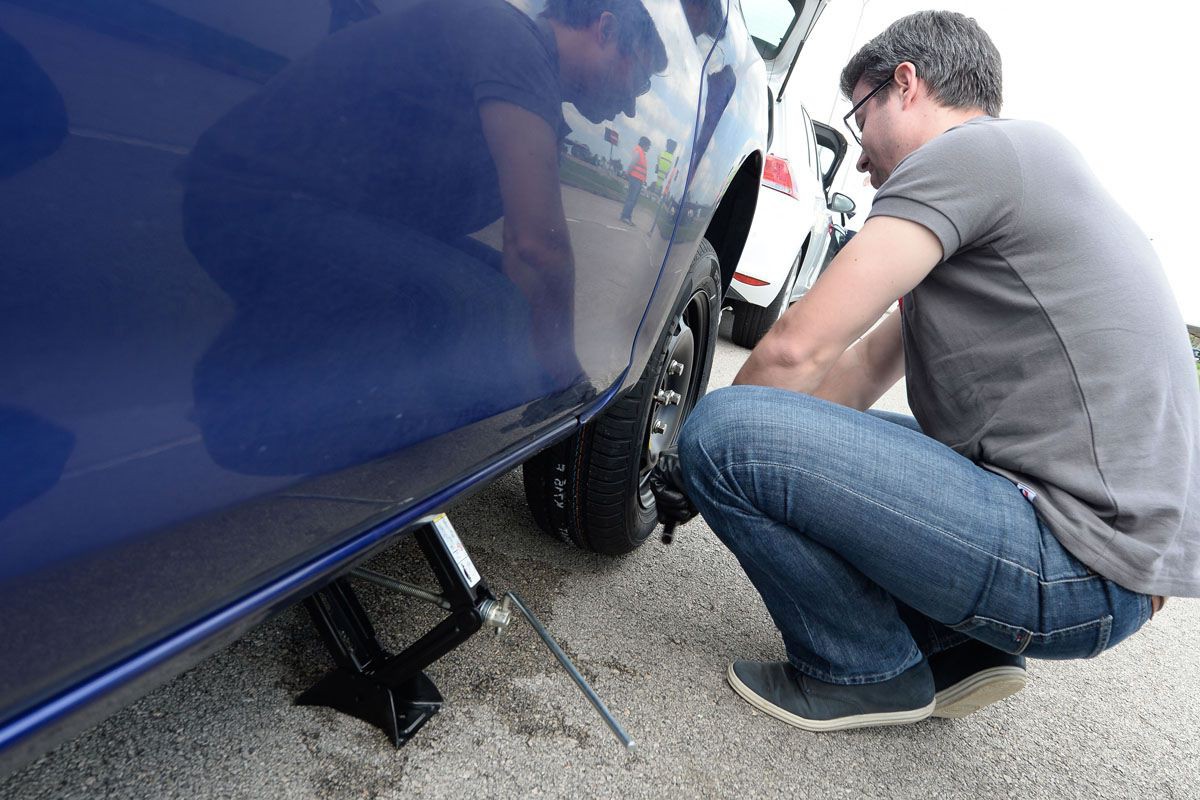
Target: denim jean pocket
[1086,640]
[1009,638]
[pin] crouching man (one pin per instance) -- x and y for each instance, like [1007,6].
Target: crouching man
[1045,498]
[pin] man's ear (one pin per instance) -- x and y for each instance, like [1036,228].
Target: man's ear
[905,79]
[606,29]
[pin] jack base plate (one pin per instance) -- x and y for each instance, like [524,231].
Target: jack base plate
[399,711]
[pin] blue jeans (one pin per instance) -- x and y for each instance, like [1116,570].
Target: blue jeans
[873,545]
[635,191]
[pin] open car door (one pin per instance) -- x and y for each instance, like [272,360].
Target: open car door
[831,151]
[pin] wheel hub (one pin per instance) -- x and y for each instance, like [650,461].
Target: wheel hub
[673,394]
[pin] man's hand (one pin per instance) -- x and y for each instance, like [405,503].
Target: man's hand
[883,261]
[670,498]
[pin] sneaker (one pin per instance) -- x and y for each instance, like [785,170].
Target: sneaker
[972,675]
[778,689]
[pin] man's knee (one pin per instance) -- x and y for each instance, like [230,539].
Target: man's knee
[737,425]
[705,432]
[725,428]
[708,443]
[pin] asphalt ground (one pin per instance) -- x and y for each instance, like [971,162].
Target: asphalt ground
[653,632]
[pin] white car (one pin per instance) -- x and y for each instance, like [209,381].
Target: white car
[792,233]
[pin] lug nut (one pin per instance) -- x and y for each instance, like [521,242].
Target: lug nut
[667,397]
[659,426]
[675,368]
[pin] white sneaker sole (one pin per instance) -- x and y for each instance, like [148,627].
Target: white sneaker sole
[981,689]
[821,725]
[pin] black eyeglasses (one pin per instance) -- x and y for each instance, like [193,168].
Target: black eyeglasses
[849,120]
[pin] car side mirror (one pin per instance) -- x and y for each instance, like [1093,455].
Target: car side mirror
[841,204]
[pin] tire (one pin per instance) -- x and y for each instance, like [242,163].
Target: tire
[591,489]
[751,322]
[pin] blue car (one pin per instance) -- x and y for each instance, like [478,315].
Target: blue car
[281,280]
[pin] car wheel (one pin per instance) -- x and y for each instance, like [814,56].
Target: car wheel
[592,489]
[751,322]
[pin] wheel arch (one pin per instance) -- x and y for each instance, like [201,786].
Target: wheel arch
[729,227]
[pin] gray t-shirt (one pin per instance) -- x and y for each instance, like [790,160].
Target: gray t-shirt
[1047,347]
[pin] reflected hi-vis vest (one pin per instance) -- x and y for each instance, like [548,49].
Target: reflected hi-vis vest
[665,160]
[638,170]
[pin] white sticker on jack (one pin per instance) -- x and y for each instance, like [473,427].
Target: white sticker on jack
[450,538]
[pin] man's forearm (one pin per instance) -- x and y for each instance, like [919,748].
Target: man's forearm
[543,268]
[856,378]
[850,382]
[549,288]
[774,362]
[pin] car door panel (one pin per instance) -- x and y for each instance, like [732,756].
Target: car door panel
[179,432]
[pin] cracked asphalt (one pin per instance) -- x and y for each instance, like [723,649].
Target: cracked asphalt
[653,633]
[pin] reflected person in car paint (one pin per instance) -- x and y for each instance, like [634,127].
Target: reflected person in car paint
[35,120]
[33,450]
[335,207]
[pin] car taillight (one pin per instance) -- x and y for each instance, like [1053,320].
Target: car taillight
[778,175]
[746,279]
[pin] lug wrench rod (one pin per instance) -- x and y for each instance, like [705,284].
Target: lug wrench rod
[582,683]
[401,587]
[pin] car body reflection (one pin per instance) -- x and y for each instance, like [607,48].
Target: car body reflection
[280,273]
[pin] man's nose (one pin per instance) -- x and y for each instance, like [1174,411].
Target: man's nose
[863,162]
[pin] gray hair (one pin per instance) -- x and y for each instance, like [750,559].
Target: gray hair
[951,53]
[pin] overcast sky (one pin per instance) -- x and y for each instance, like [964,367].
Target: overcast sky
[1110,76]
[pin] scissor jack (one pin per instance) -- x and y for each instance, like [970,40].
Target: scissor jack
[392,692]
